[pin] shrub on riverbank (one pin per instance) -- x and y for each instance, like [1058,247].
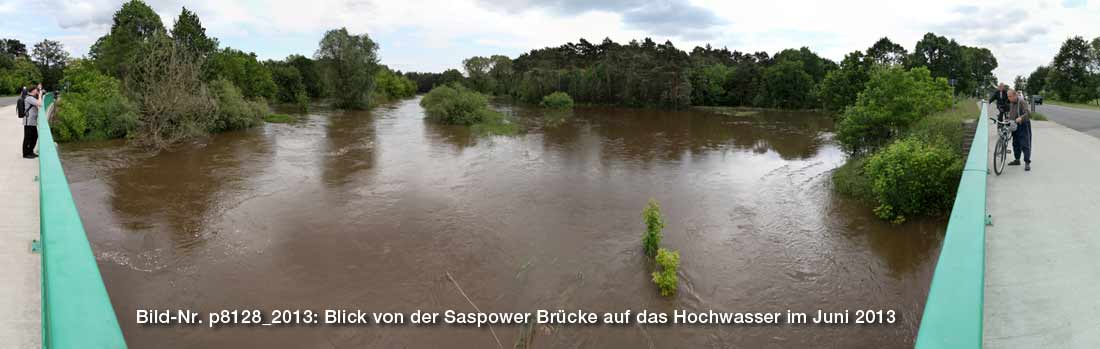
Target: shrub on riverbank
[557,100]
[455,104]
[666,277]
[93,107]
[893,100]
[233,111]
[913,177]
[165,84]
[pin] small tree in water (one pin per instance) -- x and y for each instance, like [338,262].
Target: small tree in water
[665,277]
[654,223]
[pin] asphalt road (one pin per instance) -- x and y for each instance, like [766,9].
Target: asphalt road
[6,101]
[1086,121]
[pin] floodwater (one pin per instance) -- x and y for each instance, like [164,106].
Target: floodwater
[371,210]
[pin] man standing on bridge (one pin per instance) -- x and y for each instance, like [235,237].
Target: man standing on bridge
[1021,138]
[1001,96]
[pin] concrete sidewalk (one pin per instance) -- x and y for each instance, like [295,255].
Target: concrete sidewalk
[20,269]
[1042,278]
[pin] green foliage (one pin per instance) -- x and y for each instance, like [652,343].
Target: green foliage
[886,53]
[893,100]
[851,179]
[913,177]
[666,277]
[243,70]
[51,58]
[455,104]
[310,73]
[21,73]
[654,223]
[971,67]
[93,107]
[557,100]
[841,87]
[233,111]
[390,86]
[280,118]
[191,36]
[350,62]
[788,85]
[135,25]
[1072,76]
[1037,116]
[1036,83]
[166,86]
[708,84]
[290,87]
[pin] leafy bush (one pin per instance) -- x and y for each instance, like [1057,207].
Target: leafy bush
[21,73]
[893,100]
[290,87]
[654,223]
[913,177]
[557,100]
[666,278]
[243,70]
[93,107]
[233,112]
[455,104]
[390,86]
[166,87]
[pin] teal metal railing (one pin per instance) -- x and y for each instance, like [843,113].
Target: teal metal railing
[76,310]
[953,312]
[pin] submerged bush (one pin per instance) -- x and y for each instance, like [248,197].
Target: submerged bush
[913,177]
[654,223]
[666,278]
[280,118]
[93,107]
[456,105]
[233,111]
[164,82]
[557,100]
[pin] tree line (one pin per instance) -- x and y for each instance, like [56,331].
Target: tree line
[1072,76]
[649,74]
[159,86]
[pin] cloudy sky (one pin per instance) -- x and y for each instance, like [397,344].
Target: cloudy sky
[435,35]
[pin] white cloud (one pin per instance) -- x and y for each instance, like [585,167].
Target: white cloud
[1022,35]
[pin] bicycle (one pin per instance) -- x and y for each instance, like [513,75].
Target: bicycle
[1000,152]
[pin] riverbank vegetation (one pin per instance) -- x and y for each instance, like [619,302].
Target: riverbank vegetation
[158,87]
[557,100]
[650,74]
[1073,75]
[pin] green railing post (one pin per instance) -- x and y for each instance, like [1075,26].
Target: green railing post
[953,313]
[76,310]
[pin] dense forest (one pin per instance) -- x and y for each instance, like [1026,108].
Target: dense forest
[1072,76]
[646,73]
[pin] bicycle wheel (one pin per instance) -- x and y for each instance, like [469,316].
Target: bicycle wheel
[999,156]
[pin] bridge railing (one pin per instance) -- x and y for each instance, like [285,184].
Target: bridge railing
[953,312]
[76,310]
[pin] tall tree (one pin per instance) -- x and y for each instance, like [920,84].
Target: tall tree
[311,77]
[191,36]
[1036,82]
[50,57]
[351,61]
[1019,83]
[1070,77]
[886,52]
[135,25]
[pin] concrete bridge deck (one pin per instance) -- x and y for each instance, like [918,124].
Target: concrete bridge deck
[20,269]
[1042,279]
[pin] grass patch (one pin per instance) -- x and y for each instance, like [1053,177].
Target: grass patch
[1090,105]
[851,180]
[280,118]
[1038,116]
[946,126]
[732,111]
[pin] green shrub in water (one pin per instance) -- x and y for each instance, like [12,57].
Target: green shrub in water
[233,111]
[557,100]
[668,262]
[913,177]
[456,105]
[654,223]
[93,107]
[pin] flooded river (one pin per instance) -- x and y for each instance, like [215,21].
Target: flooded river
[370,210]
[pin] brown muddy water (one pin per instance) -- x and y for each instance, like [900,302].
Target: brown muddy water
[370,210]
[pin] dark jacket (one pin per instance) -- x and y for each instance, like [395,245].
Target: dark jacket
[1001,97]
[1020,109]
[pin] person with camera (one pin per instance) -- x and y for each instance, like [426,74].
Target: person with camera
[32,103]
